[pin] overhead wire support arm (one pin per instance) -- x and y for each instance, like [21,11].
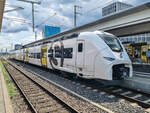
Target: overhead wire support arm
[18,20]
[19,8]
[31,2]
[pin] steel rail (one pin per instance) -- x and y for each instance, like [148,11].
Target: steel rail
[21,91]
[141,103]
[108,91]
[70,108]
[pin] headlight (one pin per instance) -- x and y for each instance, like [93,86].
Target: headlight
[109,58]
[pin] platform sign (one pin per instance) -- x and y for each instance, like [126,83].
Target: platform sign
[51,30]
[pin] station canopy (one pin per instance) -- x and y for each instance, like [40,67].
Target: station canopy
[2,4]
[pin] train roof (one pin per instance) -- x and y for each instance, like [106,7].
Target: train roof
[84,27]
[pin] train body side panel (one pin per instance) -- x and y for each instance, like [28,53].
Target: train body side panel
[31,60]
[62,55]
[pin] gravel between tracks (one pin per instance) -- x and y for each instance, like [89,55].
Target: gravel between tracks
[112,103]
[75,102]
[18,103]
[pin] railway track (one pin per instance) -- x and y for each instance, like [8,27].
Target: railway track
[141,98]
[39,99]
[134,96]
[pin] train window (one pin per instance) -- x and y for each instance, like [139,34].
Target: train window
[35,55]
[38,55]
[112,42]
[67,52]
[50,53]
[80,47]
[57,52]
[30,55]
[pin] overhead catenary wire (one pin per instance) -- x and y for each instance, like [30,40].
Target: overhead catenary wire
[18,20]
[88,12]
[45,20]
[95,8]
[32,3]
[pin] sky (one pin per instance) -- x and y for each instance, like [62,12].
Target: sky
[49,12]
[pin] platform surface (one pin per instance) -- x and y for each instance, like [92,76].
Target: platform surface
[5,102]
[141,67]
[140,83]
[2,103]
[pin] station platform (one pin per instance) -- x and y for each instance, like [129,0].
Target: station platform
[5,102]
[140,83]
[141,67]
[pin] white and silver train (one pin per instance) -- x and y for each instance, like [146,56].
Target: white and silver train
[96,55]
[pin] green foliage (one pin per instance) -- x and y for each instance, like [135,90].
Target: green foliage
[9,84]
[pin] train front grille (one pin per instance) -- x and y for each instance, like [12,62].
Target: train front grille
[120,72]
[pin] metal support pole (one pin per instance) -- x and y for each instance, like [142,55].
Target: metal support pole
[32,2]
[35,35]
[75,16]
[33,16]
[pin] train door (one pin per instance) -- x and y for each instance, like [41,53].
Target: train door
[24,54]
[80,56]
[27,55]
[21,54]
[143,53]
[44,56]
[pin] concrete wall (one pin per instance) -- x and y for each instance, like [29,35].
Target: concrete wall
[126,21]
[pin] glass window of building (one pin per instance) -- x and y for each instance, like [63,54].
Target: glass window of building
[126,39]
[143,39]
[136,39]
[122,39]
[129,38]
[148,34]
[148,38]
[132,38]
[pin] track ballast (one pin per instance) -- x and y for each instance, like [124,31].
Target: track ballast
[39,99]
[143,100]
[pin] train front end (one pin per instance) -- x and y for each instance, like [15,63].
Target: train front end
[115,61]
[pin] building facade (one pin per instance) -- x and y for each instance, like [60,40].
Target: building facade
[17,46]
[139,38]
[137,46]
[114,7]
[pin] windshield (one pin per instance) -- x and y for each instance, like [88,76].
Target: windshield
[112,42]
